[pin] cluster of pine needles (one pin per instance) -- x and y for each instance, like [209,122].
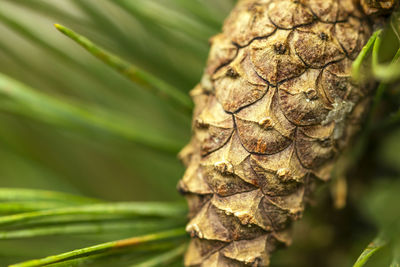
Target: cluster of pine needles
[108,122]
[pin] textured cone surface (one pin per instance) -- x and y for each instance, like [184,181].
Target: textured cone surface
[275,108]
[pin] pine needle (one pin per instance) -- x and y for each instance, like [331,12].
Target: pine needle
[17,207]
[117,258]
[19,194]
[105,247]
[373,44]
[357,64]
[165,16]
[86,228]
[203,13]
[389,76]
[163,259]
[385,72]
[396,255]
[133,73]
[107,24]
[61,112]
[51,9]
[33,37]
[370,250]
[166,210]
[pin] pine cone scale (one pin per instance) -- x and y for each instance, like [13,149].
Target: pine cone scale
[275,108]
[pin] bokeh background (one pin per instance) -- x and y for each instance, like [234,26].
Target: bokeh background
[159,36]
[168,38]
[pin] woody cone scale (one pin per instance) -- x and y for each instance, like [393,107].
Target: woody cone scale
[273,112]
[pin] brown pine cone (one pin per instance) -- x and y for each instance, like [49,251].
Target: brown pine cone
[275,108]
[380,7]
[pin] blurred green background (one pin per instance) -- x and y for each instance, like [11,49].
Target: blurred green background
[166,38]
[169,39]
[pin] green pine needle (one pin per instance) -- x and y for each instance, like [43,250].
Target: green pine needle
[358,63]
[124,218]
[163,259]
[384,72]
[203,13]
[19,194]
[103,248]
[166,210]
[373,44]
[61,112]
[370,250]
[90,228]
[135,254]
[133,73]
[390,74]
[99,18]
[48,8]
[17,207]
[33,37]
[165,16]
[396,255]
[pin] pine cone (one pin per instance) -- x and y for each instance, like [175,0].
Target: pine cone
[275,108]
[378,7]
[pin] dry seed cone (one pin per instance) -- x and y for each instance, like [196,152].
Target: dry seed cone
[275,108]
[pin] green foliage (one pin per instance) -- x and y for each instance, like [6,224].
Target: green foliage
[357,64]
[388,221]
[134,74]
[39,57]
[71,124]
[372,248]
[31,103]
[155,226]
[101,248]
